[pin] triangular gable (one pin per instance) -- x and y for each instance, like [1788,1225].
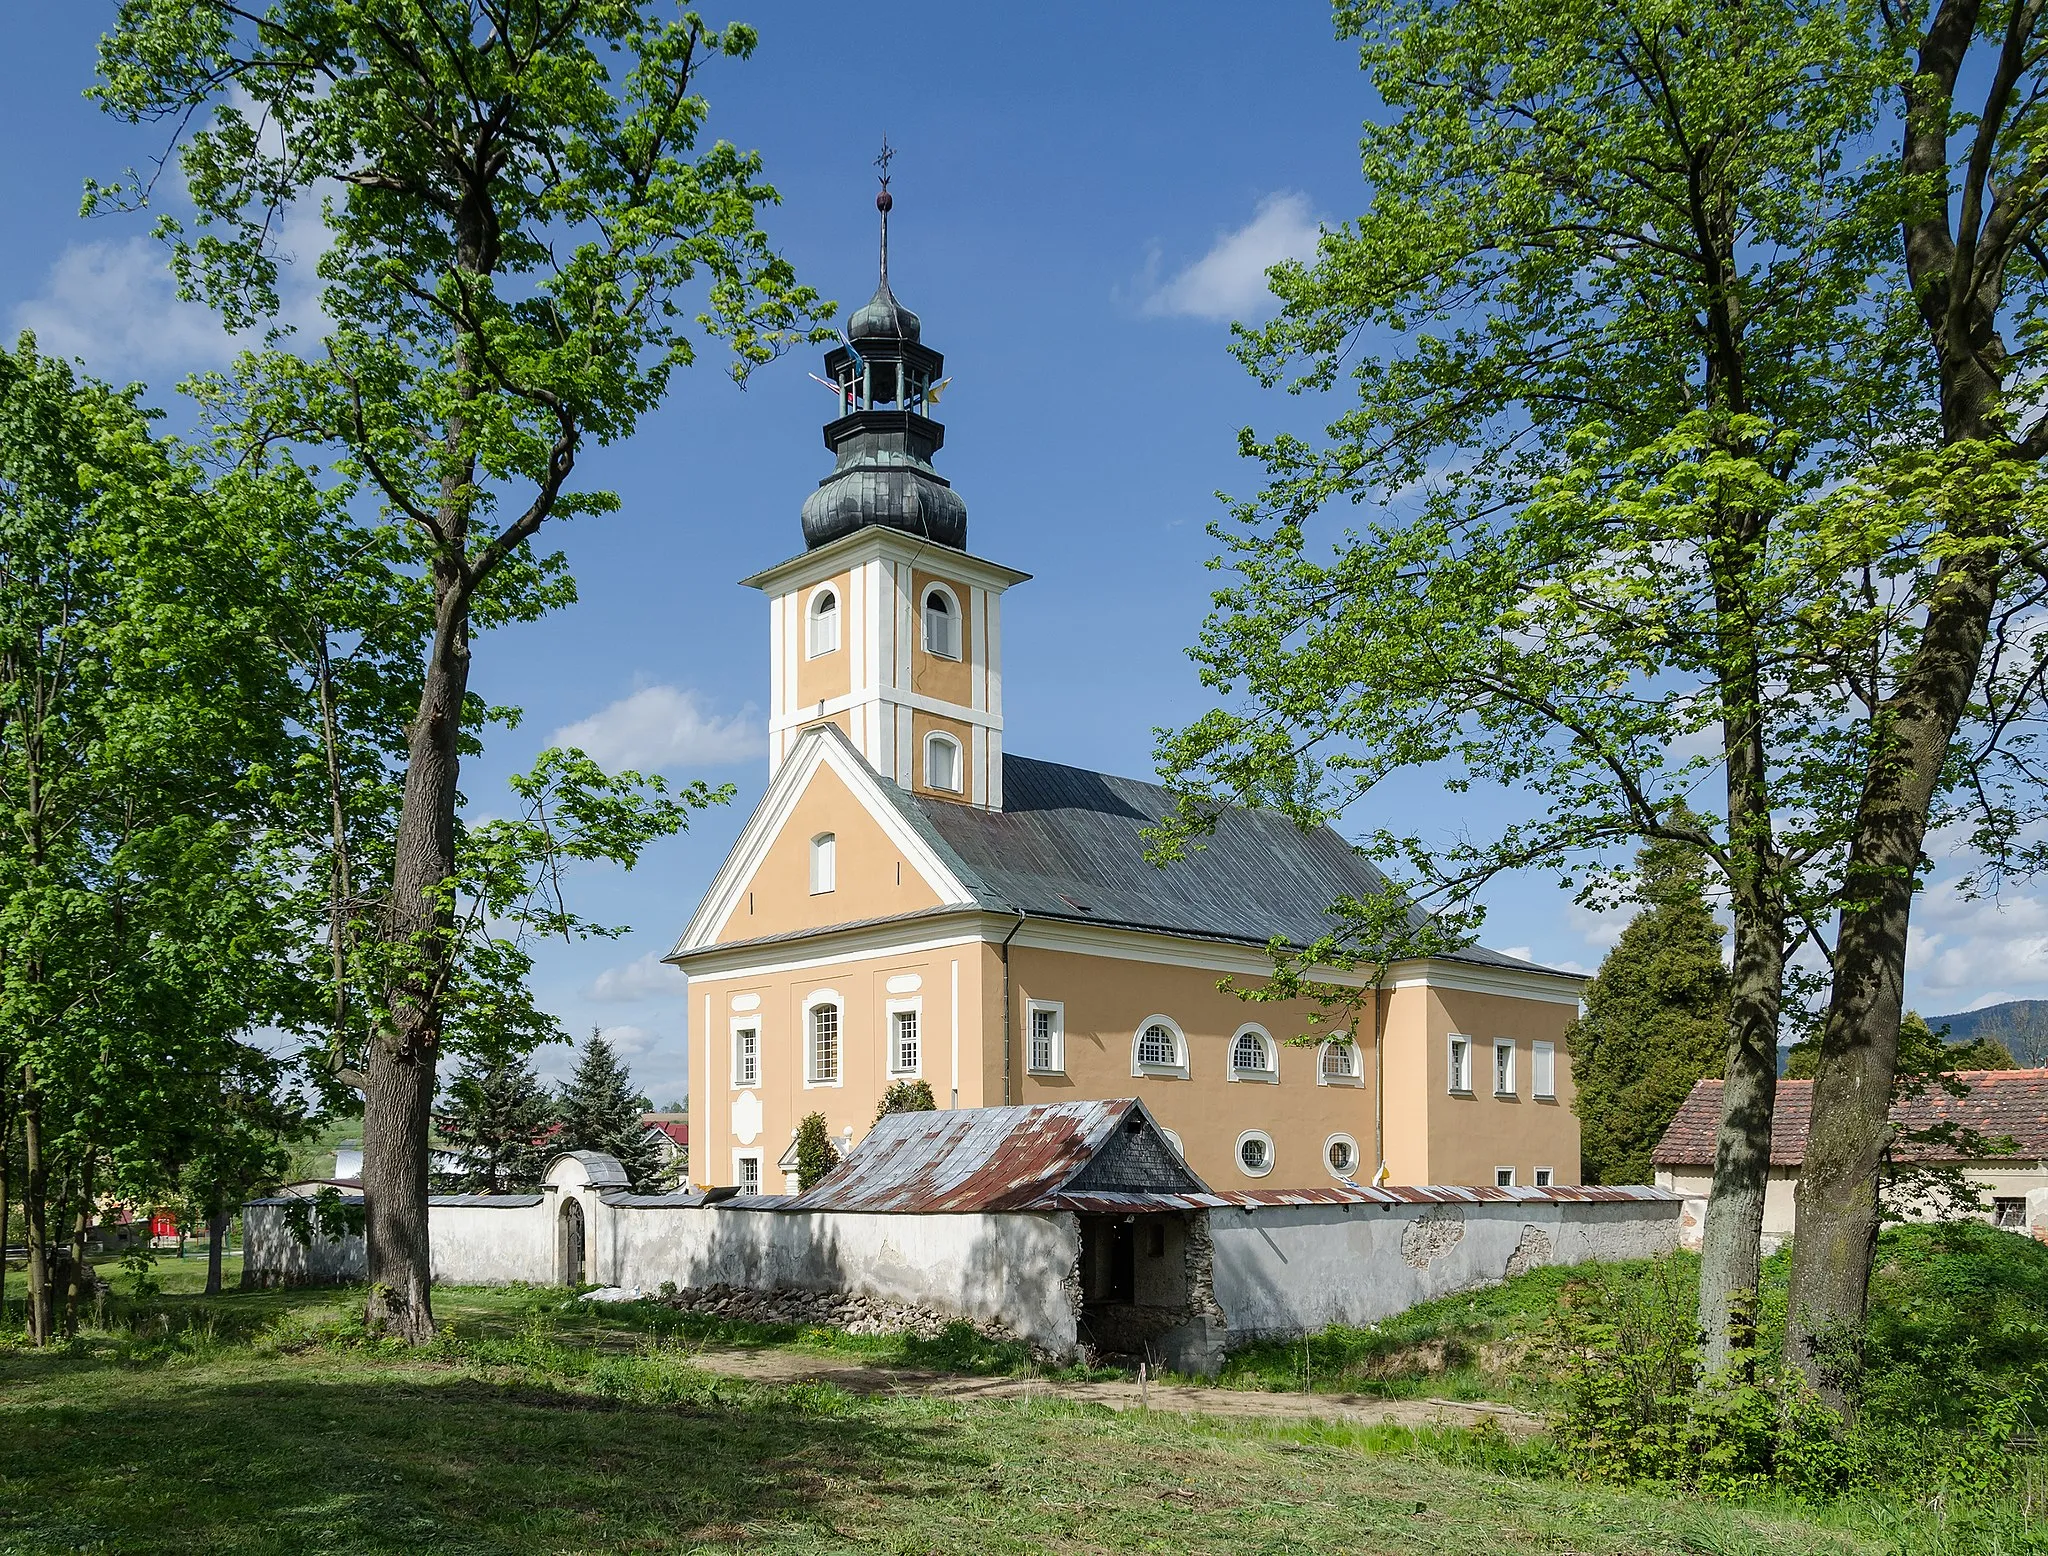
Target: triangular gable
[820,746]
[1136,1158]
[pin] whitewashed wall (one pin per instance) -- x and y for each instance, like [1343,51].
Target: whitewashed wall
[1283,1269]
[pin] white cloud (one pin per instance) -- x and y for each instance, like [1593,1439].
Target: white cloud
[1522,953]
[665,728]
[629,1040]
[114,304]
[1229,281]
[1962,947]
[1599,930]
[644,979]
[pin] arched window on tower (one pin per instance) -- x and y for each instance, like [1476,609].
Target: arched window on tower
[824,624]
[942,763]
[941,624]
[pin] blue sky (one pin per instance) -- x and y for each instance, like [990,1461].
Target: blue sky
[1085,196]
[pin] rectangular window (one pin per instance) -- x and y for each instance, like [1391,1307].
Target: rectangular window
[1461,1064]
[1504,1067]
[746,1055]
[1542,1177]
[2009,1213]
[1503,1177]
[824,1045]
[1045,1027]
[750,1174]
[903,1055]
[824,863]
[1543,1069]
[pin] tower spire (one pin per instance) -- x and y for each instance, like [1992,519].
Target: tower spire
[884,201]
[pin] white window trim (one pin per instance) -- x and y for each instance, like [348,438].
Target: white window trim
[1497,1176]
[825,845]
[1513,1087]
[1269,1074]
[959,786]
[893,1009]
[1237,1153]
[812,615]
[749,1023]
[933,586]
[752,1154]
[1451,1042]
[1543,1178]
[1357,1075]
[1161,1071]
[1059,1036]
[1356,1156]
[812,1001]
[1538,1052]
[1173,1139]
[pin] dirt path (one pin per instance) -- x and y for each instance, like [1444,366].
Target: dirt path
[779,1366]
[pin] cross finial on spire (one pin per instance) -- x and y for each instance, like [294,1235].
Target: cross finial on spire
[883,201]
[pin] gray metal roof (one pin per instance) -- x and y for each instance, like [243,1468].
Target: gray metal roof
[1014,1158]
[604,1170]
[1069,844]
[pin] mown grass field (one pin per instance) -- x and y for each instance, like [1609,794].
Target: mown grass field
[261,1422]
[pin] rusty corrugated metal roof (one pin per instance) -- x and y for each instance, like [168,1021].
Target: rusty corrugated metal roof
[1395,1194]
[1014,1158]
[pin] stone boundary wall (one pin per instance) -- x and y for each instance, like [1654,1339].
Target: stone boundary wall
[1271,1269]
[1280,1270]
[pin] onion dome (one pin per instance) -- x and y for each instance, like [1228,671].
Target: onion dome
[883,439]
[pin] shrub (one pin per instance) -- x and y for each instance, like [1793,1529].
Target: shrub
[907,1097]
[815,1153]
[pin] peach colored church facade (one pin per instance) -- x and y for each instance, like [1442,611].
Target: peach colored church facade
[846,943]
[908,902]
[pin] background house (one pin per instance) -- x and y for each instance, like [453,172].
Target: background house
[2001,1104]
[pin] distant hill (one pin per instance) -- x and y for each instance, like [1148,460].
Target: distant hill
[2022,1025]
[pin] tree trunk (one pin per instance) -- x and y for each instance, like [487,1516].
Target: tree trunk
[398,1101]
[1835,1235]
[35,1205]
[216,1237]
[81,1272]
[6,1186]
[1731,1245]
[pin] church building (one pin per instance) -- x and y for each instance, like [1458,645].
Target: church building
[909,901]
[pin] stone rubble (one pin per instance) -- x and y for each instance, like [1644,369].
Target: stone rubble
[827,1309]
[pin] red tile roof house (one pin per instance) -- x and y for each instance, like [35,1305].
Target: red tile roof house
[2001,1104]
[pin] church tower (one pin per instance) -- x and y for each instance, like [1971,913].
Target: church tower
[885,625]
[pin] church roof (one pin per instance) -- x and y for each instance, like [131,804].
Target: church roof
[1069,844]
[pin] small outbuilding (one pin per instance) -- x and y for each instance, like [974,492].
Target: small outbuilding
[1998,1106]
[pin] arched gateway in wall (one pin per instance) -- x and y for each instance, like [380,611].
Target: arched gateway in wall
[569,1243]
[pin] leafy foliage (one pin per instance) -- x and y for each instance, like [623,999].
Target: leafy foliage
[816,1155]
[907,1097]
[1655,1020]
[600,1110]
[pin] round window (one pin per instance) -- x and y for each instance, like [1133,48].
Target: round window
[1255,1152]
[1342,1155]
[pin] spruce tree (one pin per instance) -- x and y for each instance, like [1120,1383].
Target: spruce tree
[1655,1022]
[602,1110]
[498,1119]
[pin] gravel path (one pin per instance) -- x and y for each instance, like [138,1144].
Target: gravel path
[780,1366]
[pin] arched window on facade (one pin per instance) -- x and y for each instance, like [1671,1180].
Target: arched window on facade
[824,624]
[1159,1048]
[823,1058]
[1337,1064]
[941,624]
[1251,1054]
[942,763]
[824,862]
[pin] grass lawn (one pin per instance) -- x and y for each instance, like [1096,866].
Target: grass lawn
[252,1449]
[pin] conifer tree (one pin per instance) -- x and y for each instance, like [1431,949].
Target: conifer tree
[815,1153]
[499,1120]
[601,1110]
[1655,1022]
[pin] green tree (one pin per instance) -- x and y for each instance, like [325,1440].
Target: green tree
[1922,1053]
[142,722]
[498,1118]
[601,1110]
[1655,1021]
[816,1155]
[907,1097]
[1968,193]
[1594,574]
[516,206]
